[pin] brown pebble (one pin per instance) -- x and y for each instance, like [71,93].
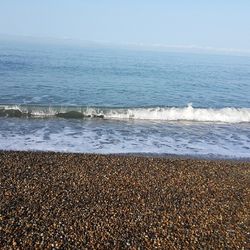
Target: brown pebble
[77,201]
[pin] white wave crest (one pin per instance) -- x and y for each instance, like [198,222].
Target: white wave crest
[228,115]
[189,113]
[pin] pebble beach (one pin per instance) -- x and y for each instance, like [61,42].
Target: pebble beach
[87,201]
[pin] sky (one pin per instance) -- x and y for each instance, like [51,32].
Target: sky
[214,24]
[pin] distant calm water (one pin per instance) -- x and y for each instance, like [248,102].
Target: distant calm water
[102,100]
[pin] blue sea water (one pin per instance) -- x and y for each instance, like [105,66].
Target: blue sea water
[113,100]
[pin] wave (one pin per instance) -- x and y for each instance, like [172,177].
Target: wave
[189,113]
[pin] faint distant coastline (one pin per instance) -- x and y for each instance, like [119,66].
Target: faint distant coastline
[126,45]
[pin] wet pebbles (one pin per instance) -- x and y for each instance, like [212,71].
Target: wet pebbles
[77,201]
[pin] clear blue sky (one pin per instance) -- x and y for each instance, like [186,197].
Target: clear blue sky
[215,23]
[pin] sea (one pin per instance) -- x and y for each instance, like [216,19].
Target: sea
[113,100]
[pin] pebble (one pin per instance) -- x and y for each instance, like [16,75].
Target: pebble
[83,201]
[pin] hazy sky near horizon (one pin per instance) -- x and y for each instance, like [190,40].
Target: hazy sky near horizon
[215,23]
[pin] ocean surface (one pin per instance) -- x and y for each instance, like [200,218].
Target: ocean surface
[110,100]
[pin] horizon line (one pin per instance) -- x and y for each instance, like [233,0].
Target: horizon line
[132,45]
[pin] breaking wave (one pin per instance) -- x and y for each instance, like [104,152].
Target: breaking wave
[189,113]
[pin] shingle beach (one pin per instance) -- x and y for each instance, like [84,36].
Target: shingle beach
[78,201]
